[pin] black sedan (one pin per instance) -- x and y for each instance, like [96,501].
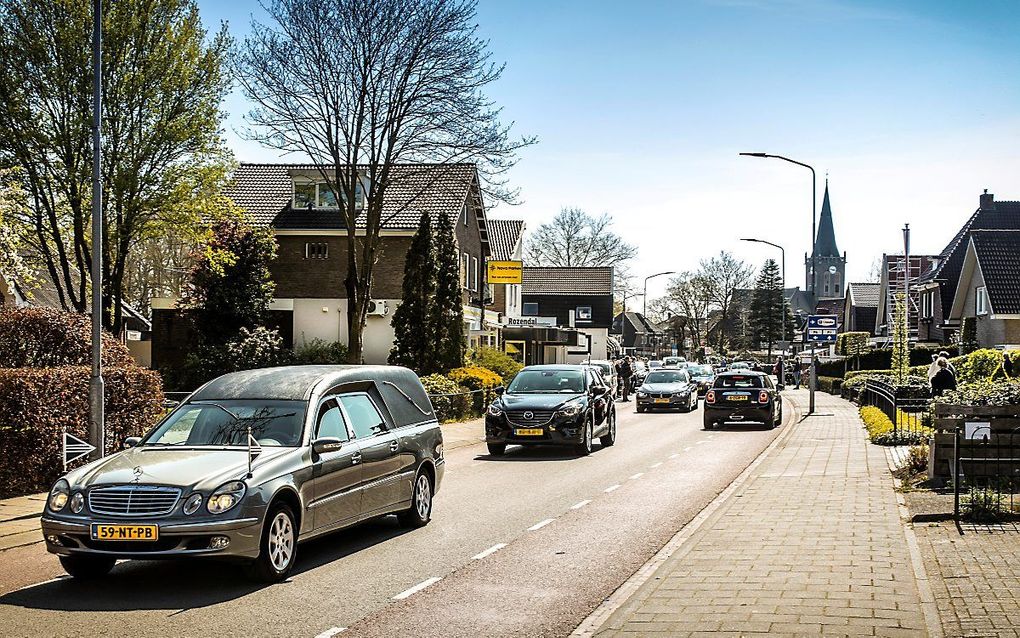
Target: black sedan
[743,395]
[565,405]
[703,375]
[667,389]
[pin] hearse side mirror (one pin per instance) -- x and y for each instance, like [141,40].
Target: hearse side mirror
[132,441]
[499,390]
[326,444]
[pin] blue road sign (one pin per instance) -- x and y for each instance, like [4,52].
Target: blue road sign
[822,328]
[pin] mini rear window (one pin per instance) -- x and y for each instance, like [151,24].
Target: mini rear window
[738,381]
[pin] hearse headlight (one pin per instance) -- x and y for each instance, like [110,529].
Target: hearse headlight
[192,504]
[495,410]
[226,497]
[59,495]
[77,503]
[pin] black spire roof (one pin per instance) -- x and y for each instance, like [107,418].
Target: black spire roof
[825,242]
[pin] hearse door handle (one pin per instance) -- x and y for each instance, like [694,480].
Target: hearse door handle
[394,446]
[356,458]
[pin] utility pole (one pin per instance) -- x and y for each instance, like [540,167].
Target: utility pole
[97,429]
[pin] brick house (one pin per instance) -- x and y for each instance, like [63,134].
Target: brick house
[860,306]
[989,288]
[309,272]
[938,286]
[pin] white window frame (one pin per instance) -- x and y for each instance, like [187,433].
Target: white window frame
[474,274]
[464,271]
[310,254]
[981,306]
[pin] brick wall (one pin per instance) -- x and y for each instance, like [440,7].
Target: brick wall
[297,277]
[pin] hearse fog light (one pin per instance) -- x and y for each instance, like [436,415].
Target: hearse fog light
[219,542]
[59,496]
[77,503]
[226,497]
[192,504]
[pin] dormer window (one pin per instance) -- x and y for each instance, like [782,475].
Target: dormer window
[319,195]
[304,195]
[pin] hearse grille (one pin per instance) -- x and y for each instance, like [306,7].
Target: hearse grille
[134,500]
[529,417]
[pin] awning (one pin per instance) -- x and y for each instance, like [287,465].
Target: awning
[543,335]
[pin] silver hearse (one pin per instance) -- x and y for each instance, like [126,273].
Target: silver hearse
[251,464]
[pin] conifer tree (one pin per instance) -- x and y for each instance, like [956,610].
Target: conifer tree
[448,318]
[413,323]
[769,308]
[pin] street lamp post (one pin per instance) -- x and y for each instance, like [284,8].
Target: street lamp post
[628,295]
[97,425]
[644,300]
[811,280]
[782,257]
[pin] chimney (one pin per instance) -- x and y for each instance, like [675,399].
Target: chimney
[987,201]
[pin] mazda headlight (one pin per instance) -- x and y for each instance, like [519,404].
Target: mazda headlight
[495,410]
[641,394]
[226,497]
[59,495]
[571,409]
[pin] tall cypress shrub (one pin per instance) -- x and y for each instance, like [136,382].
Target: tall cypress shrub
[448,311]
[413,325]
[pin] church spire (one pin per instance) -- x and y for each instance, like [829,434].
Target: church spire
[825,242]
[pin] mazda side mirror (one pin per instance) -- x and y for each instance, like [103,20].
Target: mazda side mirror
[326,444]
[132,441]
[499,390]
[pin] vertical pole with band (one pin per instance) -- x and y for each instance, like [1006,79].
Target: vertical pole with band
[96,420]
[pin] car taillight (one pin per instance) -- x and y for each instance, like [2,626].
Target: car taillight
[763,397]
[710,396]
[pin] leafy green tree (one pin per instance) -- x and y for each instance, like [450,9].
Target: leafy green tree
[12,205]
[163,83]
[448,319]
[413,322]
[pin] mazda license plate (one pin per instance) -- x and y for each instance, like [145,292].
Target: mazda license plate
[528,431]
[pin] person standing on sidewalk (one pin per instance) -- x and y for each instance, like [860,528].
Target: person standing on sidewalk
[944,379]
[626,371]
[778,370]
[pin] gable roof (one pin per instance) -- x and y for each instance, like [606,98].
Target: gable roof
[864,295]
[265,191]
[998,256]
[638,322]
[996,216]
[542,280]
[504,235]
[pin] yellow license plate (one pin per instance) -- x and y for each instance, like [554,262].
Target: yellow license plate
[662,400]
[738,397]
[528,432]
[102,532]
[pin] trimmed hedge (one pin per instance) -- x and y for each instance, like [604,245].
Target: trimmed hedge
[474,378]
[831,385]
[38,404]
[451,407]
[47,338]
[881,431]
[498,361]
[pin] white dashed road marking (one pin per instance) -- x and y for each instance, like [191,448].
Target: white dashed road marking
[417,588]
[611,488]
[577,506]
[673,456]
[539,525]
[656,465]
[688,449]
[332,631]
[637,476]
[492,550]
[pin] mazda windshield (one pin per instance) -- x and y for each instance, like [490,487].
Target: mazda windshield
[227,423]
[547,382]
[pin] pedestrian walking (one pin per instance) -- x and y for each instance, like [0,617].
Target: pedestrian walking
[626,371]
[1007,365]
[934,367]
[778,369]
[944,379]
[798,373]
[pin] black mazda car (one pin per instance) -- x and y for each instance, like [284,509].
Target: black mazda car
[743,395]
[565,405]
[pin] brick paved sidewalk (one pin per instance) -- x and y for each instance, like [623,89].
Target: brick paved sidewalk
[811,543]
[19,521]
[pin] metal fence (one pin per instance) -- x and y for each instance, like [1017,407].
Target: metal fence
[910,415]
[986,473]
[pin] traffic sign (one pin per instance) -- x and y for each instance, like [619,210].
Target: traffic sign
[74,449]
[822,328]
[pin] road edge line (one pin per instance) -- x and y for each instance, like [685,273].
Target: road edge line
[926,595]
[594,622]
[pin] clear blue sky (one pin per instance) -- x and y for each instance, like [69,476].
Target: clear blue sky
[641,108]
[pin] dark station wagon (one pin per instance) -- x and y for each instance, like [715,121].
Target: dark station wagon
[743,395]
[251,464]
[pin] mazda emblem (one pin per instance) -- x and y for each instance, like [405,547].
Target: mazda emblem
[529,415]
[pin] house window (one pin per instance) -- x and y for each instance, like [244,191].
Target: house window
[981,301]
[304,195]
[927,305]
[464,270]
[583,313]
[326,197]
[464,216]
[530,309]
[474,274]
[316,250]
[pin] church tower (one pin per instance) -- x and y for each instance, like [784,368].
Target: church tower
[830,277]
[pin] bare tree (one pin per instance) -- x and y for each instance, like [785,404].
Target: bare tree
[724,274]
[575,238]
[688,296]
[358,86]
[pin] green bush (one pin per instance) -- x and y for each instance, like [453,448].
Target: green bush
[479,380]
[979,365]
[47,338]
[448,398]
[498,361]
[320,352]
[1002,393]
[251,349]
[831,385]
[39,404]
[881,430]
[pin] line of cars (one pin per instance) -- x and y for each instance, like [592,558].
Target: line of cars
[255,462]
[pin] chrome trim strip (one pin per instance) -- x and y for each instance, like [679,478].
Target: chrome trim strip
[66,525]
[212,525]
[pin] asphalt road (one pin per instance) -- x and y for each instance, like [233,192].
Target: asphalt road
[524,545]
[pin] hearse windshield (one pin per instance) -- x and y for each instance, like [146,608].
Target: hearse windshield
[226,423]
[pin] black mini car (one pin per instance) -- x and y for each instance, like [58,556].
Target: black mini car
[567,405]
[743,395]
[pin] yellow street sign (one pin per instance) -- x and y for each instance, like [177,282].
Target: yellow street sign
[505,272]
